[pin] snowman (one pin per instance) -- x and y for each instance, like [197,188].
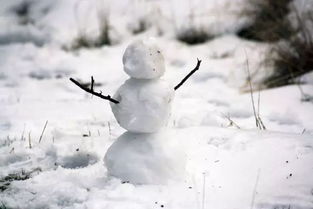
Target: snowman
[146,153]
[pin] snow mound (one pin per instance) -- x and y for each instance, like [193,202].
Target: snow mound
[143,158]
[143,60]
[144,105]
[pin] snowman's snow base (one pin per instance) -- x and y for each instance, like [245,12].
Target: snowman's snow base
[146,158]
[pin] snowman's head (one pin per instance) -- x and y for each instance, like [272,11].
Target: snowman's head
[143,59]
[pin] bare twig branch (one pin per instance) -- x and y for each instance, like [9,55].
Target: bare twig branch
[44,128]
[91,91]
[189,74]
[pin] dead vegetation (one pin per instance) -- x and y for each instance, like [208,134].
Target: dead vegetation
[3,206]
[141,26]
[231,122]
[293,57]
[22,11]
[193,35]
[20,176]
[289,30]
[85,40]
[256,112]
[269,22]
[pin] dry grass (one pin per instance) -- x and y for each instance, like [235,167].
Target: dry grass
[21,176]
[193,35]
[231,122]
[293,57]
[44,128]
[291,33]
[269,23]
[84,41]
[142,26]
[3,206]
[22,11]
[258,121]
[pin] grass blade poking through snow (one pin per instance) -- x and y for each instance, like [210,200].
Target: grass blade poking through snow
[44,128]
[255,188]
[29,141]
[258,122]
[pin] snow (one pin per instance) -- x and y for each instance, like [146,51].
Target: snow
[144,104]
[153,158]
[226,167]
[143,60]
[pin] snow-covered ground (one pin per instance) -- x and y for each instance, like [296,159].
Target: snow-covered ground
[227,166]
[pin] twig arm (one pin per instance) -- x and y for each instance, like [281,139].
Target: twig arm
[189,74]
[91,91]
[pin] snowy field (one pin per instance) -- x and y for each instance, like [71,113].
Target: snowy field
[231,164]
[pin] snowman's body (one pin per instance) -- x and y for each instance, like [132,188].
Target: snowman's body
[144,154]
[144,104]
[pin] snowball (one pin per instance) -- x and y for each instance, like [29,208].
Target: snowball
[143,158]
[144,105]
[143,60]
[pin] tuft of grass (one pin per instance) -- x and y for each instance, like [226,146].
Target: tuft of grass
[193,35]
[231,122]
[3,206]
[7,141]
[22,11]
[21,176]
[258,121]
[293,57]
[104,24]
[269,22]
[84,41]
[81,41]
[142,26]
[290,31]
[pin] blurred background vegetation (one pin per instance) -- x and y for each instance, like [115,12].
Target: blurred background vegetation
[284,25]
